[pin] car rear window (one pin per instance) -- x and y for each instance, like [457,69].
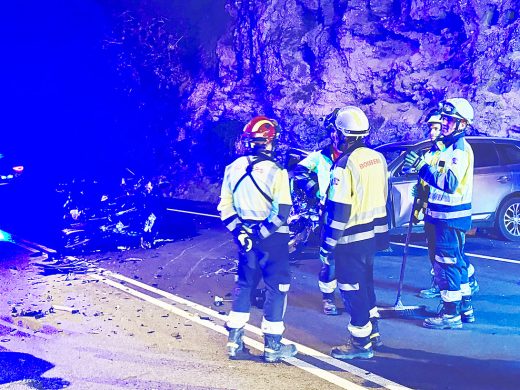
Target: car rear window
[509,153]
[391,153]
[485,154]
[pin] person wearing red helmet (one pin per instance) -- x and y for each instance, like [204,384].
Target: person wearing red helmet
[255,203]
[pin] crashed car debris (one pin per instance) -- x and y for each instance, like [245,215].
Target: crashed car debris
[127,216]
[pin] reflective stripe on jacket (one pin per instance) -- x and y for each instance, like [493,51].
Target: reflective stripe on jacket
[356,203]
[451,185]
[248,204]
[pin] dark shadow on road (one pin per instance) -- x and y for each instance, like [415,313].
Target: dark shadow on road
[420,370]
[16,366]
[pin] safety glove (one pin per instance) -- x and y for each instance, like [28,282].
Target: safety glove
[243,240]
[413,160]
[415,191]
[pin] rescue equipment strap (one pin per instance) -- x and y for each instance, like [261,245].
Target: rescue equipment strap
[249,172]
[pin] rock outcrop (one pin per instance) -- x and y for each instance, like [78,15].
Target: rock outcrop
[296,60]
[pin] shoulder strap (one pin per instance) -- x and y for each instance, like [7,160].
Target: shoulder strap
[249,172]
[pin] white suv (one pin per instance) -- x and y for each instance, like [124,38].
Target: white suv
[496,187]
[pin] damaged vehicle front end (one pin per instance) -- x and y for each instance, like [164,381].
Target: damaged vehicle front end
[99,218]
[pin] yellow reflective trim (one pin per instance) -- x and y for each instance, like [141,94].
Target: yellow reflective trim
[356,237]
[259,124]
[445,259]
[338,225]
[449,214]
[327,287]
[348,287]
[451,296]
[330,241]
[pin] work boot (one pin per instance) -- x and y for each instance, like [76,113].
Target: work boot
[329,307]
[466,310]
[432,292]
[375,337]
[274,350]
[473,284]
[355,348]
[235,345]
[448,318]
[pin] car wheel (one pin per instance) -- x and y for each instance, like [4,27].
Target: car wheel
[508,221]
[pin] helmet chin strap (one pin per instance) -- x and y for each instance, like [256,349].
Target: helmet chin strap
[347,142]
[265,148]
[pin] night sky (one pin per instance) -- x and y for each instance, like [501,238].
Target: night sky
[58,101]
[64,108]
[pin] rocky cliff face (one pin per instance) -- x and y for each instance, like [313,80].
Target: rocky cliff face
[296,60]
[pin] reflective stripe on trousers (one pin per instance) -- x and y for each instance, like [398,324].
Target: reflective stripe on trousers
[355,274]
[450,265]
[272,265]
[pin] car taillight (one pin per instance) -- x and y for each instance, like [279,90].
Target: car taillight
[18,169]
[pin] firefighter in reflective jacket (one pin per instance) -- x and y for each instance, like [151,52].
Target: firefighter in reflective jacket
[449,212]
[431,157]
[313,175]
[255,203]
[355,228]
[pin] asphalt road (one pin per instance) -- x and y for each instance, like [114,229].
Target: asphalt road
[483,355]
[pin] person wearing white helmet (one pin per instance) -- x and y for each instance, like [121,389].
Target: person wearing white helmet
[255,202]
[313,175]
[355,228]
[434,123]
[421,191]
[448,214]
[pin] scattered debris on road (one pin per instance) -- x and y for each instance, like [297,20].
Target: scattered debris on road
[66,265]
[219,301]
[230,267]
[63,308]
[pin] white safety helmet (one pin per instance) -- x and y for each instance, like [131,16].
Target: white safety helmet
[435,118]
[351,121]
[458,108]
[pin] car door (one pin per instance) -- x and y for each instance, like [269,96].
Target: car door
[491,181]
[509,154]
[400,196]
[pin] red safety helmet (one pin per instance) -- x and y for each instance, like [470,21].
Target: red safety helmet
[259,132]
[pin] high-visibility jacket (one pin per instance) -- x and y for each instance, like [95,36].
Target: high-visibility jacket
[262,198]
[451,184]
[431,157]
[313,172]
[355,210]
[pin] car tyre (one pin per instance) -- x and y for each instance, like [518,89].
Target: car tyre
[508,221]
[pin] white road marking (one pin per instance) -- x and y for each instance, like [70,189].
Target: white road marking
[395,243]
[365,375]
[466,253]
[193,212]
[343,383]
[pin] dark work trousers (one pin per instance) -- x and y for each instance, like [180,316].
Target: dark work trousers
[450,265]
[270,261]
[327,278]
[355,274]
[429,230]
